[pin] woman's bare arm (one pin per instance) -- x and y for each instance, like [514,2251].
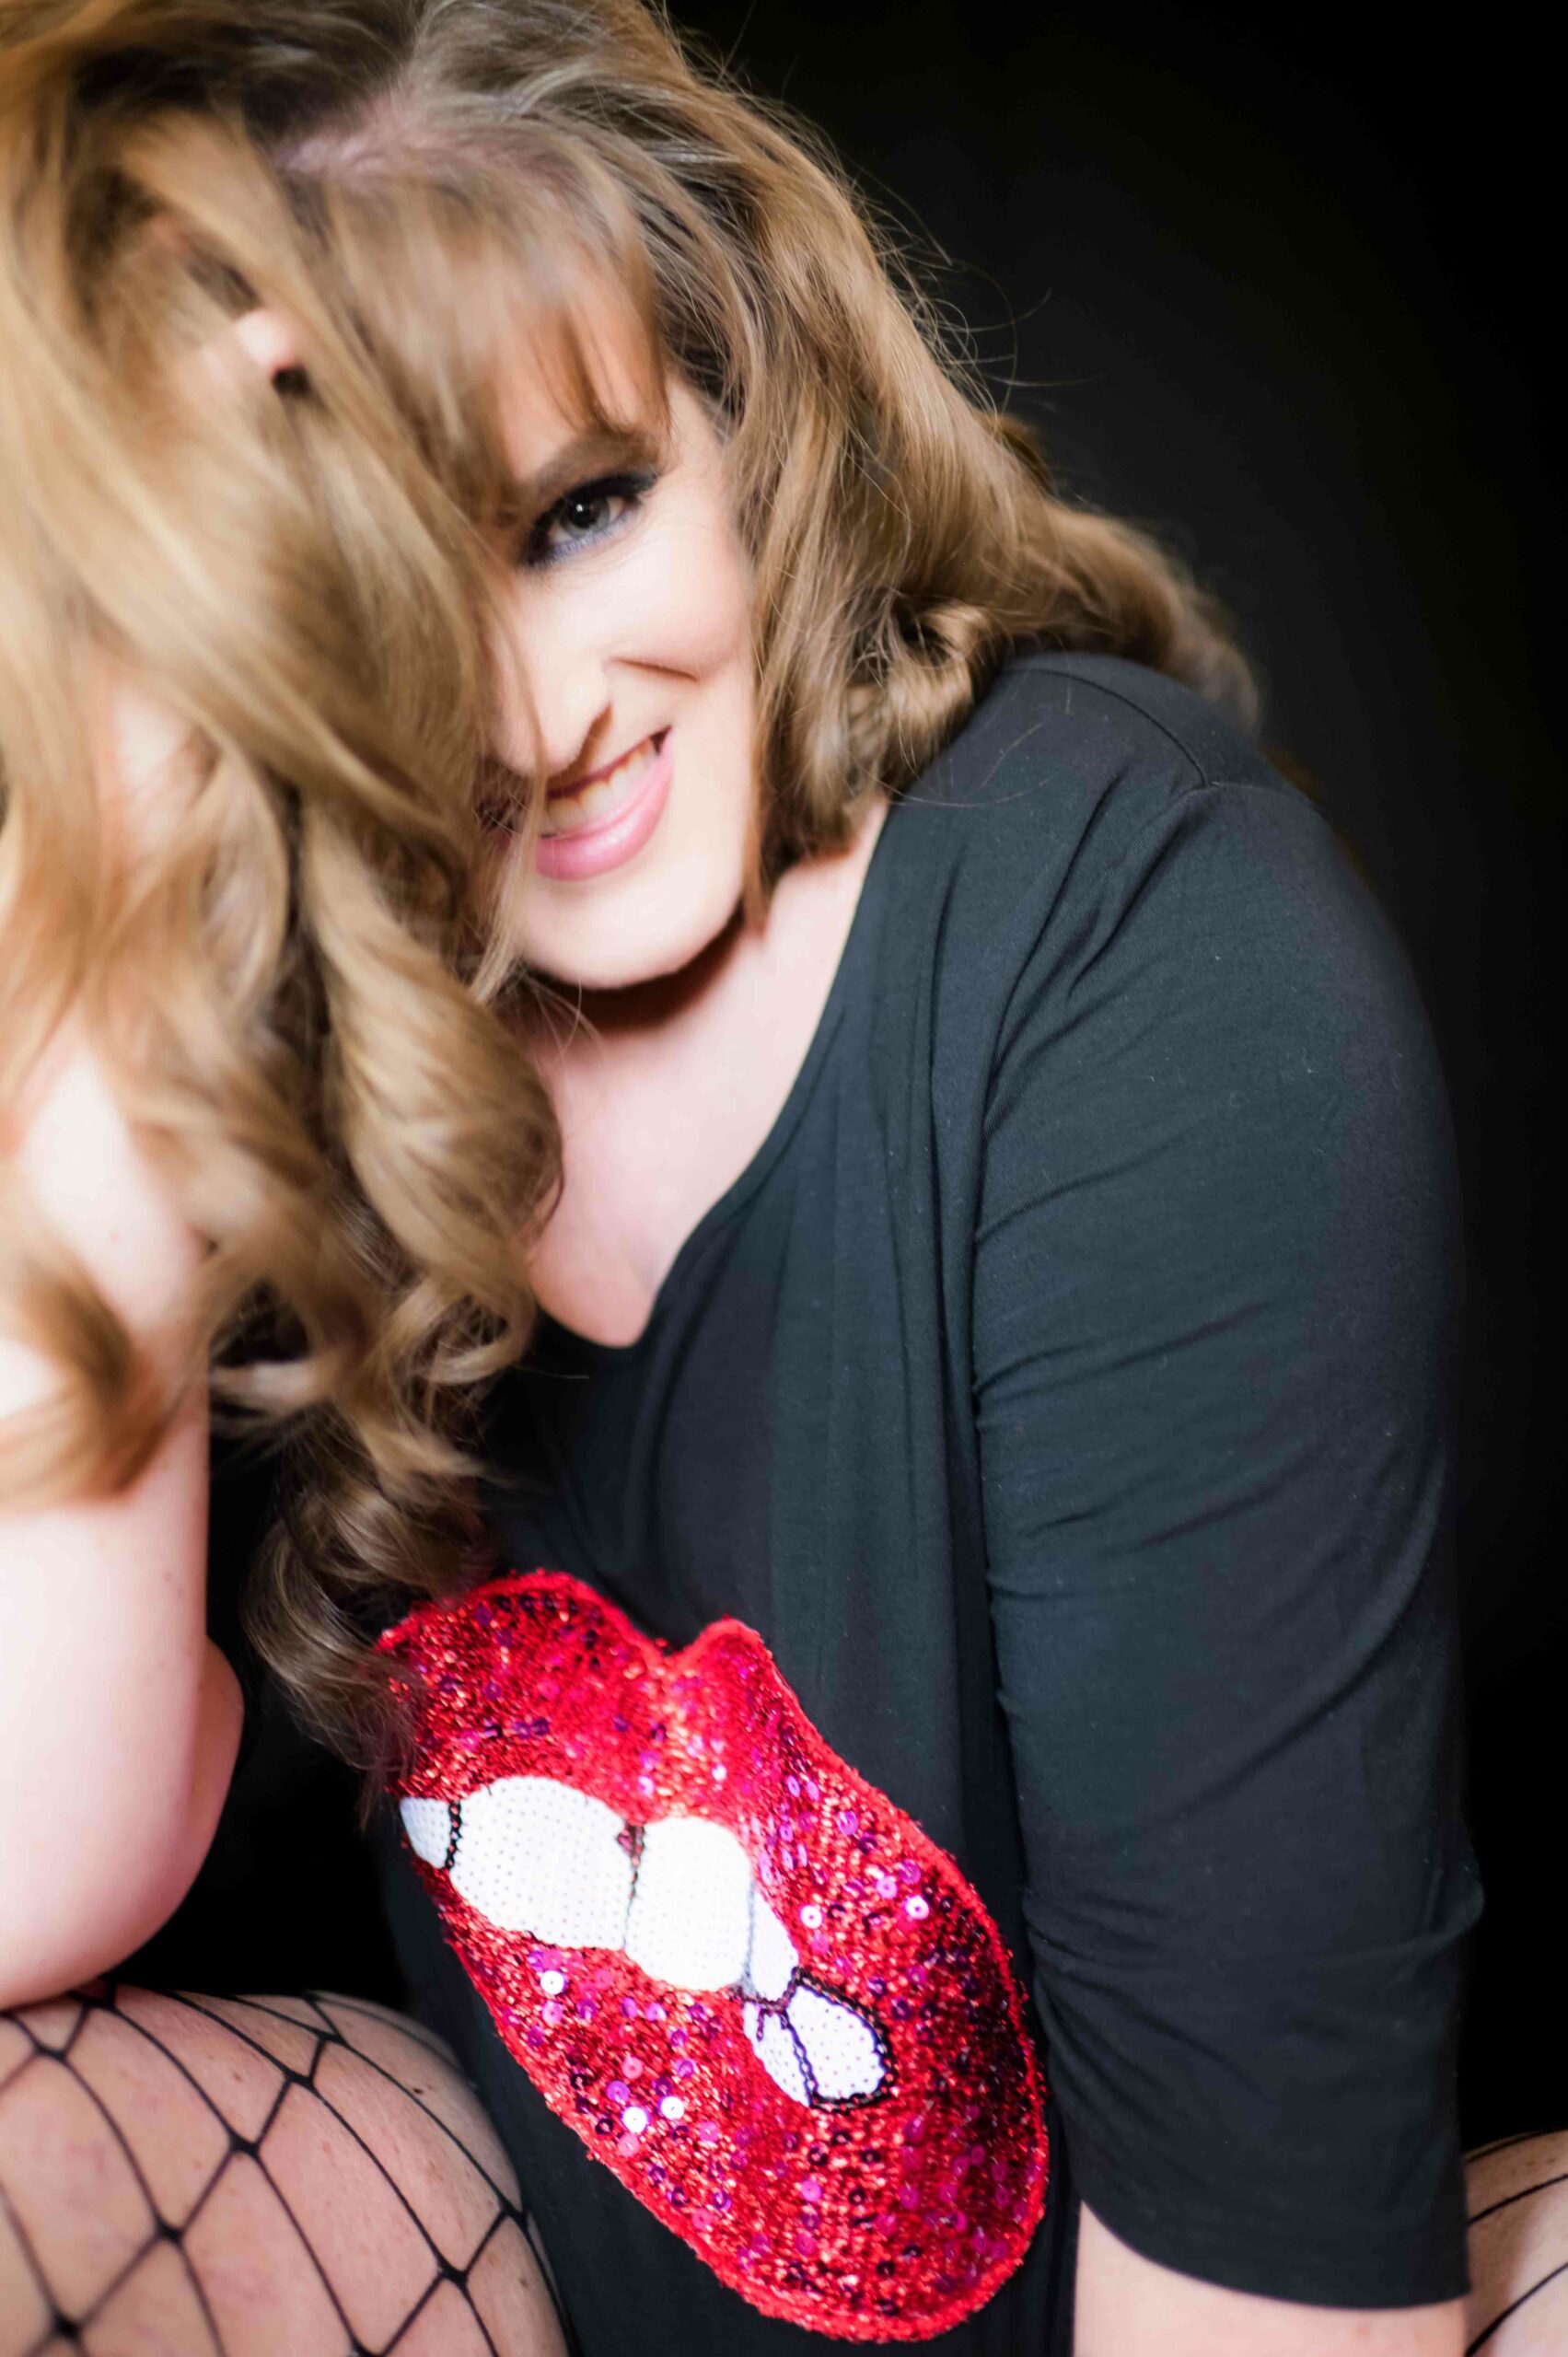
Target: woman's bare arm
[119,1722]
[1131,2306]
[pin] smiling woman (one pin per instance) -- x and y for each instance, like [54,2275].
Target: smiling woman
[628,621]
[689,989]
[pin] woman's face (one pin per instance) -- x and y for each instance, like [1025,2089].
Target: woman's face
[628,634]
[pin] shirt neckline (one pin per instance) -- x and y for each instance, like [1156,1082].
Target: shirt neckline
[584,1347]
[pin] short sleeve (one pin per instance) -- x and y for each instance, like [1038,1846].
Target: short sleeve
[1214,1298]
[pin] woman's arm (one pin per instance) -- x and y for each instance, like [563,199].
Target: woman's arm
[1213,1311]
[118,1721]
[1128,2306]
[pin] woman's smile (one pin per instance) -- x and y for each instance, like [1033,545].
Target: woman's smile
[607,817]
[627,664]
[588,800]
[606,814]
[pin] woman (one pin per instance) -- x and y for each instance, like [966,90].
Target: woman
[972,1150]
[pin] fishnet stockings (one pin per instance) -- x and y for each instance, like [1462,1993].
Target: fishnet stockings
[308,2176]
[198,2176]
[1518,2203]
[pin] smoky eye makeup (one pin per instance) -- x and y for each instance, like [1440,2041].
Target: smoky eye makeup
[597,508]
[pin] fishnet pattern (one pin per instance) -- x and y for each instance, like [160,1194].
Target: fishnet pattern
[203,2239]
[415,2259]
[1518,2190]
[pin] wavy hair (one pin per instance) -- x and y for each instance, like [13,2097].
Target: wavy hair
[303,997]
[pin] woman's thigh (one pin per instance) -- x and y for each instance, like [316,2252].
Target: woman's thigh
[192,2177]
[1518,2239]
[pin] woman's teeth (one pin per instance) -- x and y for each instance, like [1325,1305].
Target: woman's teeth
[567,813]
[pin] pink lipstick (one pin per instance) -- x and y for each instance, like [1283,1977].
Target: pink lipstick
[575,851]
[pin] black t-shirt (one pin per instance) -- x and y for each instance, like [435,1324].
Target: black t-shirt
[1059,1395]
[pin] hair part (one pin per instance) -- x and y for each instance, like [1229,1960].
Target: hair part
[304,1000]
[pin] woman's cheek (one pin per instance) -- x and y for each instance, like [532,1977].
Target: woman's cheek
[688,604]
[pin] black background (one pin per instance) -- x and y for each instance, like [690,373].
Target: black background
[1277,284]
[1283,292]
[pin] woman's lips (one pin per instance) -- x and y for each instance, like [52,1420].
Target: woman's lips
[578,851]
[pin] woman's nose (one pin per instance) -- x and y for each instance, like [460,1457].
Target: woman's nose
[574,729]
[559,715]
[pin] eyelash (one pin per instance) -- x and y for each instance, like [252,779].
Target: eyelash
[633,488]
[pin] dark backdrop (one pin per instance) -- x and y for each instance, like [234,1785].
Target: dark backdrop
[1278,291]
[1280,294]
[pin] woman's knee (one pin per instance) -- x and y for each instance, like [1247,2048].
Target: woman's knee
[198,2174]
[1517,2201]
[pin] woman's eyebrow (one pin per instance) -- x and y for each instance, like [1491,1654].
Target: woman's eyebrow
[597,450]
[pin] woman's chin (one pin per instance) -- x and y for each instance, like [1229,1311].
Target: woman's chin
[575,956]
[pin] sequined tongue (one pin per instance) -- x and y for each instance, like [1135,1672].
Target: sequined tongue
[746,1979]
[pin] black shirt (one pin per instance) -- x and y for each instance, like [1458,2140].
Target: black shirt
[1061,1395]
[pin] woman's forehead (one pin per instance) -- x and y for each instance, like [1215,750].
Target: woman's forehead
[585,371]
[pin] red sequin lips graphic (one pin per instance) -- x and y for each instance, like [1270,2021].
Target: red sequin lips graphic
[752,1986]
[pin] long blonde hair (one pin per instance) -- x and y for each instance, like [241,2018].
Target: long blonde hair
[304,1000]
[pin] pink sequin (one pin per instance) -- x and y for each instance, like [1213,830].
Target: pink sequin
[840,2216]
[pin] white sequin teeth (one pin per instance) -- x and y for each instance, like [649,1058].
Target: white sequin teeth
[816,2047]
[678,1896]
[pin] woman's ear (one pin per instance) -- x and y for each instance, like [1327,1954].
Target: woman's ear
[270,340]
[260,339]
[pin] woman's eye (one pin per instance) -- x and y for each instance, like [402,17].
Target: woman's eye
[585,514]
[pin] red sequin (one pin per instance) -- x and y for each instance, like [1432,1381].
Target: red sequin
[883,2215]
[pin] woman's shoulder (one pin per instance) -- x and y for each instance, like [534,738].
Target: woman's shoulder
[1064,742]
[1092,812]
[1072,764]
